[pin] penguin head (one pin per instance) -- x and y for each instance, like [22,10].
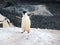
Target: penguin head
[24,12]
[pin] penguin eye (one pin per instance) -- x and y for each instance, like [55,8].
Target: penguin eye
[5,18]
[28,14]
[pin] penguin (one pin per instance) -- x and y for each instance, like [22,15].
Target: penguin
[6,23]
[26,22]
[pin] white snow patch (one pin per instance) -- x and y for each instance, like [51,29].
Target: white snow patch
[13,36]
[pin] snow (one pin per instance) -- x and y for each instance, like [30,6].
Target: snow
[41,10]
[13,36]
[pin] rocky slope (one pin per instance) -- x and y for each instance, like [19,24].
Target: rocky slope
[46,16]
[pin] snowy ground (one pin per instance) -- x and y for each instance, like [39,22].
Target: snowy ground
[13,36]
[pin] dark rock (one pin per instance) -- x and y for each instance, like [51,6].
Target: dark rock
[12,8]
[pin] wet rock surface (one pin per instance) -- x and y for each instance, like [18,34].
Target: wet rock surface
[38,20]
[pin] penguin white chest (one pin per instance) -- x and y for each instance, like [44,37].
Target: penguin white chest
[26,23]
